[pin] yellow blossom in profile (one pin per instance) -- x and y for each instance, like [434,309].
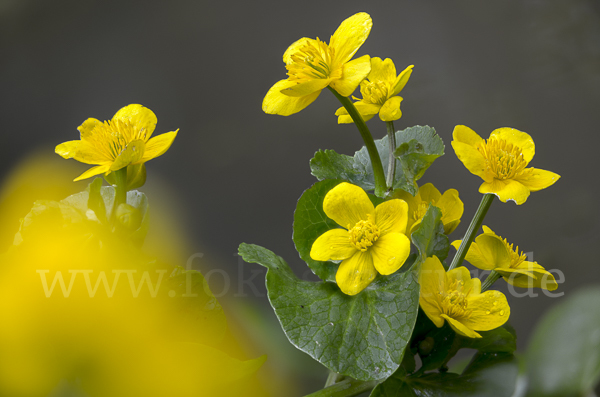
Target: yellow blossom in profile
[490,252]
[449,203]
[379,93]
[455,297]
[372,242]
[313,65]
[115,144]
[501,162]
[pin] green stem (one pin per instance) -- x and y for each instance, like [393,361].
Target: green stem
[120,188]
[379,176]
[391,174]
[345,388]
[333,378]
[490,280]
[476,222]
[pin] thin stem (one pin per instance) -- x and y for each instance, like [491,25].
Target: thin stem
[476,222]
[332,378]
[378,174]
[345,388]
[120,189]
[391,174]
[490,280]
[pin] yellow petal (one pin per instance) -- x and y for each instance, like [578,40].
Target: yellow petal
[350,35]
[277,103]
[347,204]
[460,328]
[100,169]
[429,193]
[81,151]
[132,154]
[382,70]
[474,255]
[506,190]
[491,253]
[540,278]
[461,274]
[413,204]
[347,119]
[464,134]
[432,279]
[402,79]
[366,109]
[471,158]
[390,111]
[332,245]
[535,179]
[158,145]
[295,47]
[517,138]
[452,209]
[485,315]
[353,73]
[139,116]
[87,127]
[355,273]
[390,252]
[391,216]
[488,230]
[307,88]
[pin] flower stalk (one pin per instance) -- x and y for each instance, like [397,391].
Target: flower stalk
[391,174]
[490,280]
[476,222]
[380,183]
[120,189]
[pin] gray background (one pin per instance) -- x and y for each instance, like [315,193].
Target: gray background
[234,174]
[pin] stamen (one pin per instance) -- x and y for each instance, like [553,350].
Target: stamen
[312,61]
[364,234]
[375,92]
[503,160]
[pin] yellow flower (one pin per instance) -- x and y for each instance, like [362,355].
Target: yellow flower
[122,141]
[455,297]
[313,65]
[379,93]
[451,206]
[374,242]
[501,162]
[490,252]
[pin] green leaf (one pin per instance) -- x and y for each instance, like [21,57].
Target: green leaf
[422,146]
[563,358]
[362,336]
[95,201]
[489,374]
[310,222]
[429,238]
[416,149]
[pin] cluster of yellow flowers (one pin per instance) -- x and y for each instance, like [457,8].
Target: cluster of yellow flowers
[374,240]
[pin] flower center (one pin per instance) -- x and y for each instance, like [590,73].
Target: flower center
[454,301]
[312,61]
[112,137]
[364,234]
[515,258]
[503,159]
[375,92]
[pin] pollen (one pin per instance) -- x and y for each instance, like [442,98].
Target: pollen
[375,92]
[364,234]
[420,211]
[504,160]
[312,61]
[112,137]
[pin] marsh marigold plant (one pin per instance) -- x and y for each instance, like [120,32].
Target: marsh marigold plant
[111,145]
[372,242]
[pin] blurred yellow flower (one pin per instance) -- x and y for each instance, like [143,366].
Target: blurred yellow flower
[374,242]
[456,298]
[380,93]
[124,140]
[490,252]
[501,162]
[313,65]
[451,206]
